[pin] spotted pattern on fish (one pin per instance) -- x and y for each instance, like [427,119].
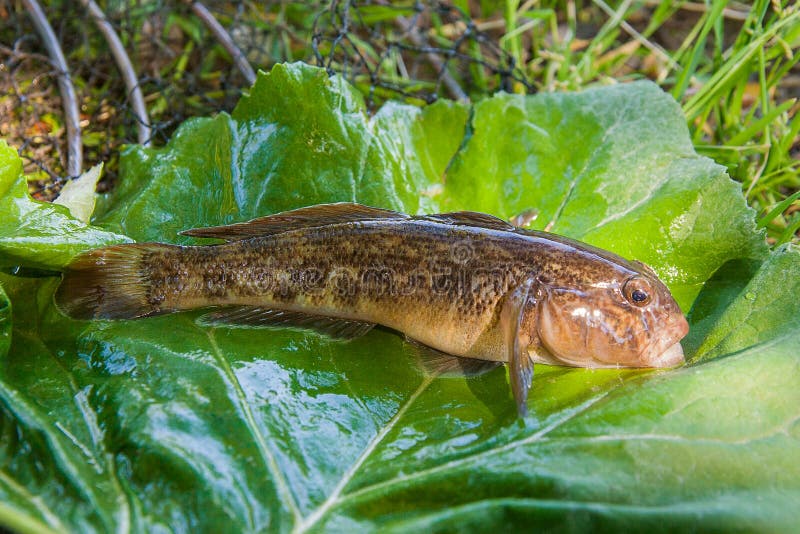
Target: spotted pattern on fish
[466,284]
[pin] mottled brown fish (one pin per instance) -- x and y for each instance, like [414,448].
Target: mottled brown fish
[469,286]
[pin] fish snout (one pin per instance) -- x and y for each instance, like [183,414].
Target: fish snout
[672,357]
[668,352]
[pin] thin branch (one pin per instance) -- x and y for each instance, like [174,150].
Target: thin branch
[727,12]
[69,100]
[413,35]
[126,69]
[225,40]
[653,47]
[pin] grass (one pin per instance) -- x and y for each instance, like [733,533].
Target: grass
[732,66]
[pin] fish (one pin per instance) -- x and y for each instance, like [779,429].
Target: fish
[469,290]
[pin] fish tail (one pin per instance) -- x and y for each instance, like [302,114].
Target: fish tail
[110,283]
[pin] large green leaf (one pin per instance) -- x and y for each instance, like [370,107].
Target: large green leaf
[299,138]
[613,167]
[164,424]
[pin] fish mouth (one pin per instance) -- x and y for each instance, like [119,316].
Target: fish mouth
[672,357]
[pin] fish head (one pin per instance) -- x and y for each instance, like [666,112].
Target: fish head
[629,319]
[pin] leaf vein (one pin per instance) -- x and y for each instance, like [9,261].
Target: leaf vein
[36,500]
[333,498]
[266,454]
[537,436]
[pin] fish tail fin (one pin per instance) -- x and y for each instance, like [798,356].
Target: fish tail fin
[109,283]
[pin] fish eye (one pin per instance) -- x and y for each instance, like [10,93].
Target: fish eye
[637,291]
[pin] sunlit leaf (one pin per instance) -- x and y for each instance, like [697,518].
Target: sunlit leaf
[39,234]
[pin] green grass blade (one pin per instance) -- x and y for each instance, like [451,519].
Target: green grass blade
[779,208]
[788,234]
[760,125]
[731,69]
[685,76]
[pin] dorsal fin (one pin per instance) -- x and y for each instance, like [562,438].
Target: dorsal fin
[309,217]
[469,218]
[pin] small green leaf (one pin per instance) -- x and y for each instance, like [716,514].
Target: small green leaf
[765,311]
[79,195]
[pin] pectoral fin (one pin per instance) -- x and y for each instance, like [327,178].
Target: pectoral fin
[515,319]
